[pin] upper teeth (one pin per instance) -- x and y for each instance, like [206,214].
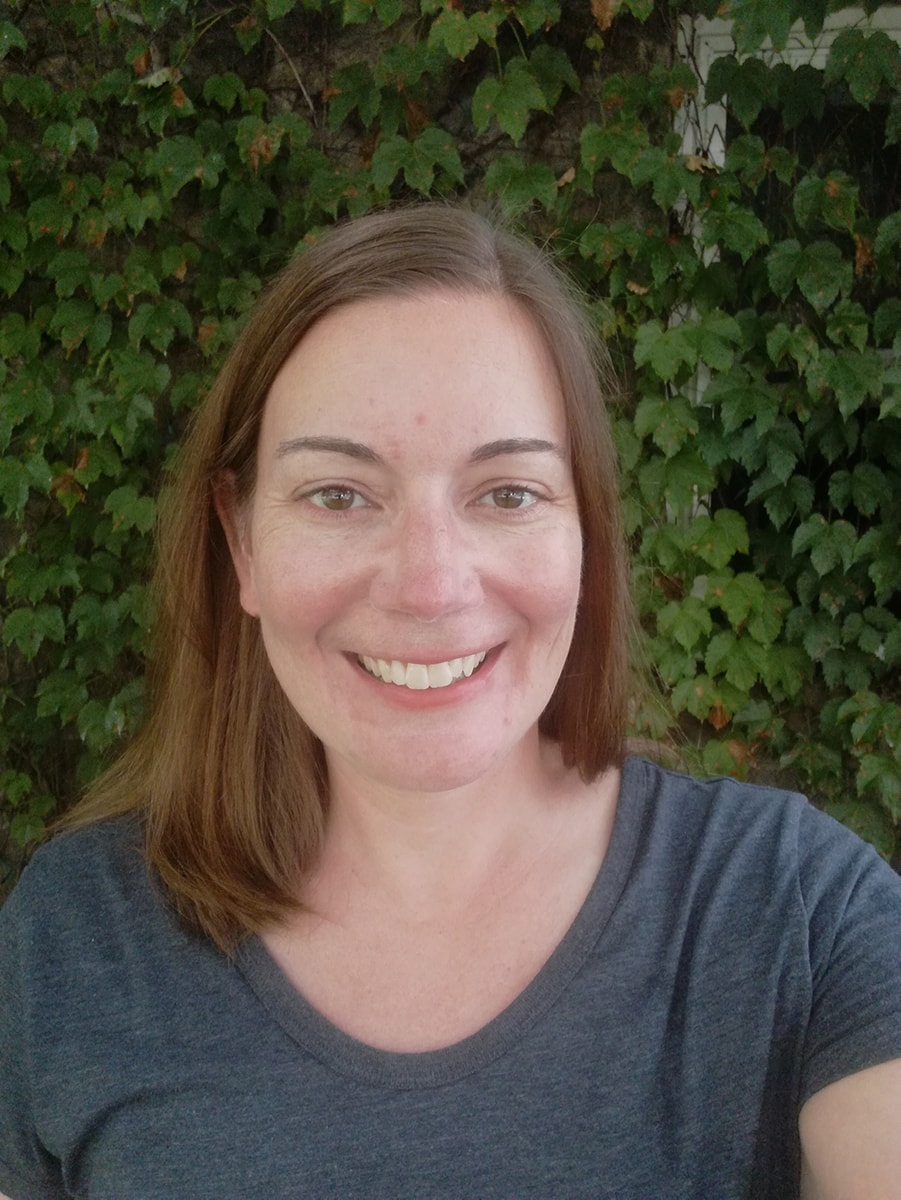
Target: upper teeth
[418,676]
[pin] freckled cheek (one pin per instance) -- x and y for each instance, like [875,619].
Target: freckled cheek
[302,586]
[551,577]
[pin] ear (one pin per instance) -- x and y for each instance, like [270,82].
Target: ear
[236,526]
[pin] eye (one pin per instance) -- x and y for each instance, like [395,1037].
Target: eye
[509,496]
[336,498]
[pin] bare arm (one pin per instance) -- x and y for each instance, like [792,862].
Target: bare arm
[851,1137]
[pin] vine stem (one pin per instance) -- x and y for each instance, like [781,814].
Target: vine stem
[294,72]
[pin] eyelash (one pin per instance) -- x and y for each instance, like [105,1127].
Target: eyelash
[317,498]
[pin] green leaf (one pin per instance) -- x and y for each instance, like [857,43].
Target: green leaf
[357,12]
[279,8]
[833,546]
[33,92]
[867,821]
[61,695]
[797,342]
[29,628]
[853,377]
[686,621]
[519,184]
[669,176]
[159,323]
[751,86]
[11,38]
[801,96]
[848,322]
[832,201]
[733,657]
[676,481]
[881,774]
[888,235]
[753,21]
[353,88]
[666,350]
[66,139]
[870,488]
[669,420]
[620,145]
[72,321]
[784,446]
[709,699]
[509,101]
[554,71]
[129,510]
[225,89]
[718,337]
[535,15]
[783,264]
[823,273]
[459,34]
[741,397]
[249,201]
[718,539]
[390,157]
[71,270]
[179,161]
[865,61]
[735,229]
[821,634]
[740,597]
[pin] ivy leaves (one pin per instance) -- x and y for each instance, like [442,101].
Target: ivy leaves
[149,185]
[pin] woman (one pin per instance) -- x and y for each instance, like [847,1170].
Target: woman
[375,906]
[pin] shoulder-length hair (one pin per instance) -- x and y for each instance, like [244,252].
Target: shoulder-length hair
[229,782]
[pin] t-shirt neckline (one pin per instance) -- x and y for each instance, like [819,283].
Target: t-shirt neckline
[314,1033]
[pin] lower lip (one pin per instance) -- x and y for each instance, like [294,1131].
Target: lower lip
[409,698]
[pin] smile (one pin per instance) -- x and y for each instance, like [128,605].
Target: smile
[419,677]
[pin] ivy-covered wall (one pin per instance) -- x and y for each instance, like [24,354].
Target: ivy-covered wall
[159,159]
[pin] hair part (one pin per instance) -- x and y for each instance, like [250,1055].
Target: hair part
[230,783]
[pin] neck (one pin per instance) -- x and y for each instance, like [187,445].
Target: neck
[423,851]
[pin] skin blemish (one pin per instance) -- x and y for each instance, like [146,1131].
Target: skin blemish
[420,418]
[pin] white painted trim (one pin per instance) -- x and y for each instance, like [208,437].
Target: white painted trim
[701,40]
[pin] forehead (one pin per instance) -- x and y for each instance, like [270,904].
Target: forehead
[438,358]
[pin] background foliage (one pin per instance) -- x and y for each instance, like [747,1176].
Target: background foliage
[159,159]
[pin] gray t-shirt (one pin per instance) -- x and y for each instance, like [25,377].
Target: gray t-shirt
[738,952]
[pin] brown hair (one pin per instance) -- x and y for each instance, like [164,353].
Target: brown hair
[229,781]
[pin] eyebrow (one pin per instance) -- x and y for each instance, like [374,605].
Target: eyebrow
[331,445]
[515,446]
[362,452]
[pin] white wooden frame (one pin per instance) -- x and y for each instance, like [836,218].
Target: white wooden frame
[701,40]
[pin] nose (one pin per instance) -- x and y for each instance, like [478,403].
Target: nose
[427,569]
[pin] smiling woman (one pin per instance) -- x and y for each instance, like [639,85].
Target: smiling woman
[395,547]
[377,905]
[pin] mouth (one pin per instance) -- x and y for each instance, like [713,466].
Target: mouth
[419,677]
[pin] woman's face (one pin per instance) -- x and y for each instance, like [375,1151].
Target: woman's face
[412,548]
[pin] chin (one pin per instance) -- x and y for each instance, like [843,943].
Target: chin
[428,771]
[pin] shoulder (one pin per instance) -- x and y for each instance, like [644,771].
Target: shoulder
[729,814]
[84,901]
[751,841]
[92,866]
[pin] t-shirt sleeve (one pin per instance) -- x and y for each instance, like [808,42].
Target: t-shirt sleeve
[853,903]
[27,1170]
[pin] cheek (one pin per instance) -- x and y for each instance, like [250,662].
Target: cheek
[544,584]
[301,585]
